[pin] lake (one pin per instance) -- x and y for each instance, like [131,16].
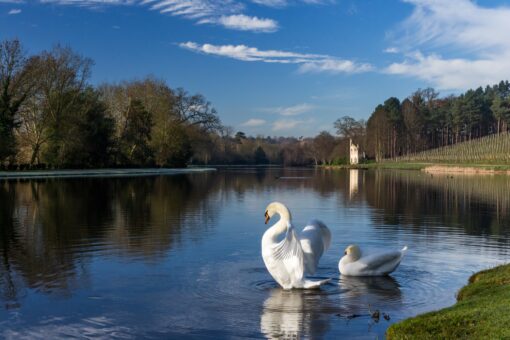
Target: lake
[178,256]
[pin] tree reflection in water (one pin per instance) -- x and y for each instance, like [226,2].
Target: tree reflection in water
[67,238]
[51,228]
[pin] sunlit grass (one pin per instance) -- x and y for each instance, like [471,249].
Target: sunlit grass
[482,311]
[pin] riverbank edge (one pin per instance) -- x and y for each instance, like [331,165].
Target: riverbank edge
[433,168]
[482,311]
[38,174]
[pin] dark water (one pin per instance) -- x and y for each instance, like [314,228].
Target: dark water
[179,256]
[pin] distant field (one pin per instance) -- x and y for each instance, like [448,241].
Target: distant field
[493,149]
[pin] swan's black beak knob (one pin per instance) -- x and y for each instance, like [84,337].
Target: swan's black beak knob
[266,215]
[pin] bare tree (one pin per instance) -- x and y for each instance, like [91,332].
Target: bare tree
[61,77]
[323,145]
[16,86]
[196,110]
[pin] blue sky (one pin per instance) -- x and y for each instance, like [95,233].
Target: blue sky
[278,67]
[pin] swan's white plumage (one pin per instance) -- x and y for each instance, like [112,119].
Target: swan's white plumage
[382,263]
[315,240]
[288,259]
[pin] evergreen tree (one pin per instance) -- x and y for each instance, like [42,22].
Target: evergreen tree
[260,156]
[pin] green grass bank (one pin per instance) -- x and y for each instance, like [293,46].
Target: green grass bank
[455,167]
[482,311]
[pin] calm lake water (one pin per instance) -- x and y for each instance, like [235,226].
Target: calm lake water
[179,256]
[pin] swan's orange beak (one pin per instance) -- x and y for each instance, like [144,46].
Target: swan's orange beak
[266,215]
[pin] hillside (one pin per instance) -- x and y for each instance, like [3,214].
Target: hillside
[492,149]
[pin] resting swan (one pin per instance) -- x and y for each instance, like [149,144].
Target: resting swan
[287,256]
[354,264]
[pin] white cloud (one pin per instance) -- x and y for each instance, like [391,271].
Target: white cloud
[227,13]
[335,66]
[308,62]
[245,23]
[391,50]
[283,3]
[14,11]
[453,73]
[254,122]
[271,3]
[293,110]
[288,124]
[474,38]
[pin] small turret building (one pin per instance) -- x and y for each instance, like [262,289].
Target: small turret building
[354,152]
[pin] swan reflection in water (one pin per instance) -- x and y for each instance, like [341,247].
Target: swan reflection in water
[360,292]
[294,314]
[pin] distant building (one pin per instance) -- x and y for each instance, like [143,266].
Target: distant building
[354,152]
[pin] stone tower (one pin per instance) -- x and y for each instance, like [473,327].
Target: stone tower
[354,152]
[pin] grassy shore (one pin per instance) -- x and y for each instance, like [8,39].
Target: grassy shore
[423,166]
[482,311]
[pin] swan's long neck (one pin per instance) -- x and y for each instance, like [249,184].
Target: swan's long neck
[283,223]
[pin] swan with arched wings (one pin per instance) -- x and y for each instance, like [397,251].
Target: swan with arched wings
[290,256]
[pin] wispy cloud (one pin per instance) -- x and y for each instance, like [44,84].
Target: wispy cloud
[284,3]
[330,65]
[307,62]
[254,122]
[292,110]
[14,11]
[271,3]
[391,50]
[227,13]
[474,37]
[289,124]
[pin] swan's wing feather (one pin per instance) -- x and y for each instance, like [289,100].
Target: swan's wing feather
[323,230]
[289,255]
[315,240]
[375,261]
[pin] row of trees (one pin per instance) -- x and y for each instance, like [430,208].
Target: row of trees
[425,121]
[50,114]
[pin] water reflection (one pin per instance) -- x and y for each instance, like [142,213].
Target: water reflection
[353,182]
[374,290]
[50,228]
[294,314]
[111,248]
[477,204]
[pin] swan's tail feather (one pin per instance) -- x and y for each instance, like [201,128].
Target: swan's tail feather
[309,284]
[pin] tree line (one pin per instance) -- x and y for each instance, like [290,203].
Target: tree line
[52,117]
[425,121]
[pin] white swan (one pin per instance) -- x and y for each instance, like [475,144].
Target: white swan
[289,257]
[353,264]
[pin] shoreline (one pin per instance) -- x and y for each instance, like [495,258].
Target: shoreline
[481,312]
[38,174]
[433,168]
[464,170]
